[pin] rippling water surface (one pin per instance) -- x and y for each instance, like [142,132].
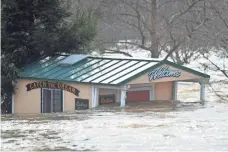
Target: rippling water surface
[187,126]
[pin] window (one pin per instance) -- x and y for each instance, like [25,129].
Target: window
[81,104]
[51,100]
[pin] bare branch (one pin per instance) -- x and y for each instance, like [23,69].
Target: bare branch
[220,96]
[174,48]
[111,51]
[179,14]
[218,68]
[183,40]
[128,42]
[220,16]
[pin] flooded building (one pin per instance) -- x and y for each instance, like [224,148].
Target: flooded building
[70,82]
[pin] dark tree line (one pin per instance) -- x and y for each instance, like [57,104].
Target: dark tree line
[33,29]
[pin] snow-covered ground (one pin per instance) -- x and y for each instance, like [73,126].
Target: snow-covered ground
[187,127]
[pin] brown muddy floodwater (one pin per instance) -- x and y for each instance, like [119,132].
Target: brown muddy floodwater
[183,127]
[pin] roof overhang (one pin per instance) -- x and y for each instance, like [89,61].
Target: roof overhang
[194,76]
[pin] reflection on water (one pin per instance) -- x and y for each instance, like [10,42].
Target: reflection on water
[180,126]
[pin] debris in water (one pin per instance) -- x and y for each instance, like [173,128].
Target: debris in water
[135,126]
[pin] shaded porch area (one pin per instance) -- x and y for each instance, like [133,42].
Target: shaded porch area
[142,96]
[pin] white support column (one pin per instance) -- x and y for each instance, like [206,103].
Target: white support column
[123,96]
[118,96]
[63,99]
[152,97]
[175,84]
[94,96]
[202,92]
[97,96]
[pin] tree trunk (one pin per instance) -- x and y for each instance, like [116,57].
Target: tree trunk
[154,40]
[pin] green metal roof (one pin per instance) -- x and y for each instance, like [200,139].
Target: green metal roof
[98,70]
[90,69]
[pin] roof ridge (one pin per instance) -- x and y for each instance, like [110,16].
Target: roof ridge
[125,58]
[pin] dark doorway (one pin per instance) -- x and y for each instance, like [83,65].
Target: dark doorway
[138,96]
[51,100]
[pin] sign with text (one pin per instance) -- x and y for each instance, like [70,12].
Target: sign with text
[81,104]
[163,72]
[54,85]
[107,98]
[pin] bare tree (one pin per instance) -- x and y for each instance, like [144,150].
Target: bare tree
[214,42]
[179,28]
[158,25]
[215,34]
